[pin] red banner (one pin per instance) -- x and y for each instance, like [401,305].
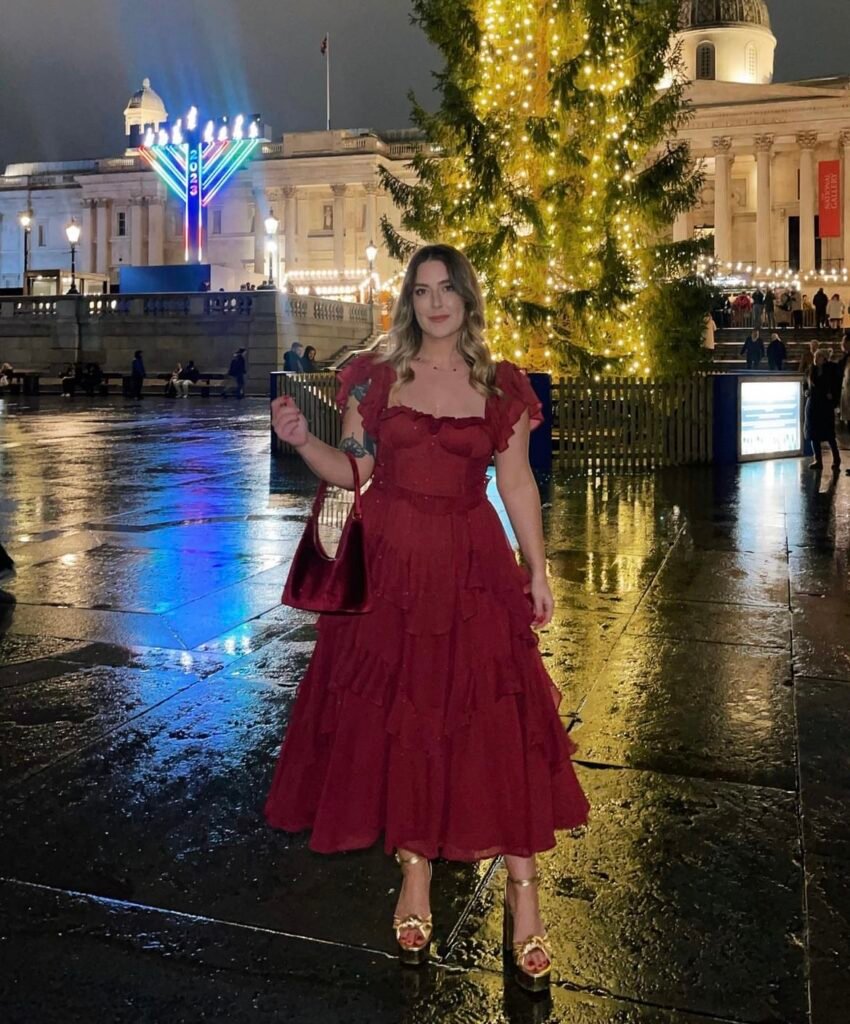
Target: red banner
[829,190]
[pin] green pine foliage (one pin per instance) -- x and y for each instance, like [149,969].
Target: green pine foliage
[553,162]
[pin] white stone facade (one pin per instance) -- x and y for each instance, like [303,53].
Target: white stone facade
[322,187]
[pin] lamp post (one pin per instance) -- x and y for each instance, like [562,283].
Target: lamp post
[371,253]
[271,224]
[72,233]
[25,220]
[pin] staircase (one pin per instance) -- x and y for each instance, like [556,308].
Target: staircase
[729,341]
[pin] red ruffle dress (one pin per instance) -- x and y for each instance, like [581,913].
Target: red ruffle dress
[431,720]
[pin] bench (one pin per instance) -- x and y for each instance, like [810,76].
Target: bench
[27,382]
[205,385]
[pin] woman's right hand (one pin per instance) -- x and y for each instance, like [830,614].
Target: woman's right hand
[288,422]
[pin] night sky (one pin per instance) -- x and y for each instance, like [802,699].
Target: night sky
[68,67]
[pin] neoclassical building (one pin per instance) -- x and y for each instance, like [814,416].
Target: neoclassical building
[762,144]
[774,155]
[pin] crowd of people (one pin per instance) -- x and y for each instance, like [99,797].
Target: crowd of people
[788,309]
[299,359]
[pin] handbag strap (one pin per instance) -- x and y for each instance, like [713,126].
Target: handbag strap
[322,490]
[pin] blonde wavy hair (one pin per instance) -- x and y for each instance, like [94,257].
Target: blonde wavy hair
[406,334]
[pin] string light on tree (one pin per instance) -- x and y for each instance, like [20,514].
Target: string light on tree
[554,175]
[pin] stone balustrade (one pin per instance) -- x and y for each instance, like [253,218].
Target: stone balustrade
[46,333]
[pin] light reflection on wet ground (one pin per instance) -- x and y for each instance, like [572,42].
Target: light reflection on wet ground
[702,644]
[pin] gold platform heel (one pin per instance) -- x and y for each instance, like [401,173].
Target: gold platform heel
[413,955]
[516,952]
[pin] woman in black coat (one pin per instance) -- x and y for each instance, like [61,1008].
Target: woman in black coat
[820,410]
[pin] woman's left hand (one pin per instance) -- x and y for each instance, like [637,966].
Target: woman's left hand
[541,598]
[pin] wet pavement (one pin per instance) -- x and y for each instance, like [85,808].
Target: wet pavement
[702,644]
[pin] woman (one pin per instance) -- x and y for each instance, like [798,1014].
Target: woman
[820,410]
[431,719]
[171,389]
[844,409]
[308,360]
[835,312]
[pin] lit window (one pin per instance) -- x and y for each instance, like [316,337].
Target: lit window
[705,61]
[752,62]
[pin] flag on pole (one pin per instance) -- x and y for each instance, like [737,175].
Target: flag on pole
[324,46]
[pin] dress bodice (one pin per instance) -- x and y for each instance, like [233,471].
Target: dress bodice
[438,461]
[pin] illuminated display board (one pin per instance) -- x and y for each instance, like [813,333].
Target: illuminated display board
[770,418]
[195,165]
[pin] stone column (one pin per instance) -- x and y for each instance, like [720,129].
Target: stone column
[807,142]
[371,214]
[137,231]
[156,231]
[723,197]
[104,234]
[290,226]
[845,196]
[87,237]
[339,225]
[681,227]
[260,207]
[764,203]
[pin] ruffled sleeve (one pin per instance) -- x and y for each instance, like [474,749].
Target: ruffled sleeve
[364,370]
[517,397]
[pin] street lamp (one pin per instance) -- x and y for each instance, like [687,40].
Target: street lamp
[271,224]
[72,233]
[371,253]
[25,220]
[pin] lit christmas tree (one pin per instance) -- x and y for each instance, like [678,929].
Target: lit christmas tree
[553,164]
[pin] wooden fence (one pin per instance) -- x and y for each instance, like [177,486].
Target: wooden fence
[626,424]
[620,424]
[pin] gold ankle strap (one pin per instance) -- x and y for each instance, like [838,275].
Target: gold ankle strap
[523,883]
[414,858]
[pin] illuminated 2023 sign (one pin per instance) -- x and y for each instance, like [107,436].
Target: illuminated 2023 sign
[196,165]
[770,418]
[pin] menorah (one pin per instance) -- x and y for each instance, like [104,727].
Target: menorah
[196,165]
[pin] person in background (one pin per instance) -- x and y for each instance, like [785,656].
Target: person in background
[820,303]
[69,381]
[758,308]
[6,370]
[237,371]
[844,401]
[137,375]
[776,352]
[92,378]
[188,375]
[308,360]
[753,349]
[820,411]
[835,312]
[770,309]
[293,359]
[171,386]
[808,357]
[796,307]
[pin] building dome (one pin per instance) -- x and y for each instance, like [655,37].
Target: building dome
[705,13]
[144,108]
[726,41]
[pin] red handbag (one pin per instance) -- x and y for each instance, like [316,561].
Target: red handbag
[319,583]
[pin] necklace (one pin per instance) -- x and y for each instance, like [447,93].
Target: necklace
[442,369]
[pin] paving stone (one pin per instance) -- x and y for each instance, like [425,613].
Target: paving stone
[96,960]
[726,577]
[719,623]
[822,637]
[703,709]
[680,893]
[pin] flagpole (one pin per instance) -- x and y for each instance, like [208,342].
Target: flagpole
[328,76]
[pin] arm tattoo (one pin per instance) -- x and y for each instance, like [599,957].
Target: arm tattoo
[351,444]
[358,450]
